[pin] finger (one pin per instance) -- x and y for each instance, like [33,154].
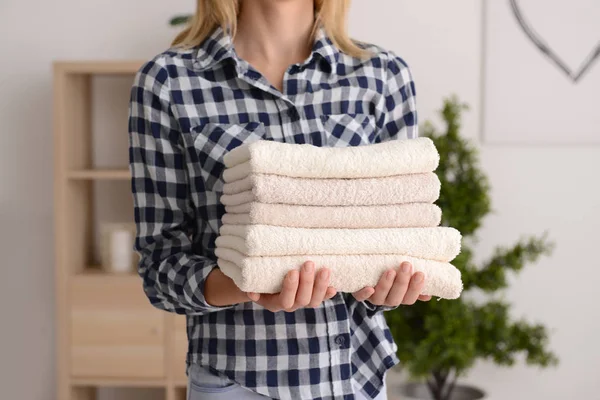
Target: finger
[307,282]
[415,288]
[270,301]
[364,293]
[383,287]
[320,288]
[331,292]
[398,290]
[424,297]
[287,297]
[253,296]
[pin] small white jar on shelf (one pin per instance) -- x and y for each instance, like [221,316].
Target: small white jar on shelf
[117,254]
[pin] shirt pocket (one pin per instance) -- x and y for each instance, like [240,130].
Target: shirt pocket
[342,130]
[212,141]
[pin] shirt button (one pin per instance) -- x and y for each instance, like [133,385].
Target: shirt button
[340,340]
[292,113]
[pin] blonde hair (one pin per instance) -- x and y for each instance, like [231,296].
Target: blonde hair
[210,14]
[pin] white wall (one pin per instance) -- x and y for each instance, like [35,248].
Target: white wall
[534,188]
[564,112]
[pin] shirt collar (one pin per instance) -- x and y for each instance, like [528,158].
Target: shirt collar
[219,46]
[216,48]
[324,47]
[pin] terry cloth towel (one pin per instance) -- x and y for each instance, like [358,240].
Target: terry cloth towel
[353,217]
[395,157]
[349,273]
[440,244]
[399,189]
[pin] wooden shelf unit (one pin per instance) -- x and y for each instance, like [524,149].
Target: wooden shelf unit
[108,334]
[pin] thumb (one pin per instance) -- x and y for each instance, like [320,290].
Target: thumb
[253,296]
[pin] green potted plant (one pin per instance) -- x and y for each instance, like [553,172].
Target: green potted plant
[439,341]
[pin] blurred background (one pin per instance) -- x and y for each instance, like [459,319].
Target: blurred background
[535,123]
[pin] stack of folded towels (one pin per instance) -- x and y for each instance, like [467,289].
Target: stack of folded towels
[358,211]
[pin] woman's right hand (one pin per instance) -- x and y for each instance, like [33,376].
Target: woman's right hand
[300,289]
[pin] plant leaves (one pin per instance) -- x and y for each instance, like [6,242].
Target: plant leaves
[179,20]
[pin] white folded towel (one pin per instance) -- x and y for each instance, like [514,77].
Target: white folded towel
[395,157]
[393,216]
[440,243]
[349,273]
[398,189]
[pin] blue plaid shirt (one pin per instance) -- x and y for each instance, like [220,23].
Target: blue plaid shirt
[191,106]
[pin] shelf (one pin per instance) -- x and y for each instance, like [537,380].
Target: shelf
[99,67]
[96,273]
[116,335]
[108,332]
[113,382]
[99,174]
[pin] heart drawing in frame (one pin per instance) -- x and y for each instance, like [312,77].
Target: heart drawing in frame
[574,75]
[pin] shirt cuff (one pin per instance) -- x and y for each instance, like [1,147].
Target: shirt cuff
[196,286]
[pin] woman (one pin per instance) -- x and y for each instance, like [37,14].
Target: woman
[262,69]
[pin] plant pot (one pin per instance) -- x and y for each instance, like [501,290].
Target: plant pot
[420,391]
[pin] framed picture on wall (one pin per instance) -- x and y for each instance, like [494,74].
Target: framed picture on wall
[541,72]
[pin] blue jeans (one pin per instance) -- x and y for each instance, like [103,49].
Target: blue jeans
[204,385]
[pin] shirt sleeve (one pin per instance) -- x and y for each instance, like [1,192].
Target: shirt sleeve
[173,275]
[399,119]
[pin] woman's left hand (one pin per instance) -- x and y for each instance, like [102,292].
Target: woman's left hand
[395,287]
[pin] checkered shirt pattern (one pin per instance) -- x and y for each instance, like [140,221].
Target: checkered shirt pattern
[188,108]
